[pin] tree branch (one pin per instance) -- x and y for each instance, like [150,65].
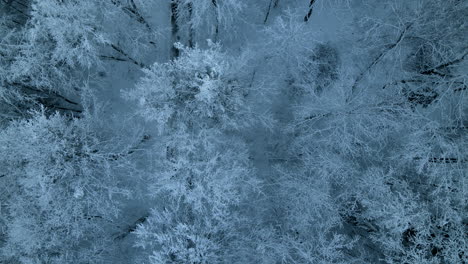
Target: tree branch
[444,65]
[132,150]
[460,89]
[39,91]
[132,227]
[378,58]
[442,160]
[132,11]
[311,9]
[112,58]
[215,5]
[423,81]
[268,12]
[119,50]
[174,29]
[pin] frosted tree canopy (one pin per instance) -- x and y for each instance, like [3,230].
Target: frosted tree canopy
[233,131]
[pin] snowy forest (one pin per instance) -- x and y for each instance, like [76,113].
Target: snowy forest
[233,131]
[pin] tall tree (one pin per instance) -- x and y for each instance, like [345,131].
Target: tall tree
[59,191]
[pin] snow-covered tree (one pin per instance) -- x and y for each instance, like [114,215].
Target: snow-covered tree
[59,191]
[418,60]
[63,45]
[59,38]
[200,89]
[201,187]
[194,21]
[418,50]
[304,132]
[194,101]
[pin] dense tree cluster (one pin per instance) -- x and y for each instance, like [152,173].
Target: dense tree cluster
[233,131]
